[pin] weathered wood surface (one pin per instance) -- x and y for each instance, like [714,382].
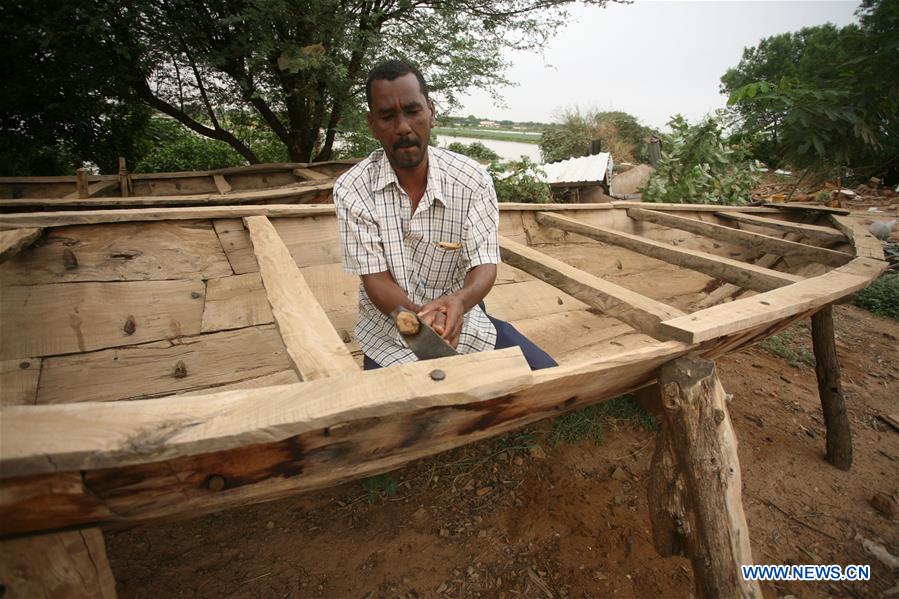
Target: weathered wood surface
[235,302]
[63,565]
[93,217]
[92,190]
[756,241]
[13,242]
[639,311]
[773,305]
[221,183]
[694,481]
[830,390]
[530,299]
[177,487]
[284,377]
[121,252]
[817,233]
[18,381]
[315,348]
[309,175]
[799,206]
[866,245]
[310,191]
[164,367]
[734,271]
[61,318]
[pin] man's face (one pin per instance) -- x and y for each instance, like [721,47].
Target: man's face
[401,119]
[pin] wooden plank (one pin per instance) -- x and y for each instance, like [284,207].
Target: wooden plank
[18,381]
[418,422]
[121,252]
[12,242]
[278,193]
[237,245]
[518,301]
[94,217]
[181,425]
[284,377]
[807,207]
[667,207]
[235,302]
[756,241]
[309,175]
[124,182]
[92,189]
[865,244]
[733,271]
[81,186]
[824,235]
[152,369]
[221,183]
[725,319]
[641,312]
[314,347]
[63,565]
[45,320]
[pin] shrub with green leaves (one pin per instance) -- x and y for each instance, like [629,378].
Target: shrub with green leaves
[699,167]
[475,150]
[520,181]
[881,296]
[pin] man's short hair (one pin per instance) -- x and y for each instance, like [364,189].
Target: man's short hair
[390,70]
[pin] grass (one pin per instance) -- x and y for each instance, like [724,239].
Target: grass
[881,297]
[523,137]
[588,423]
[784,346]
[378,487]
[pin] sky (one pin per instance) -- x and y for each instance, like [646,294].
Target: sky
[652,59]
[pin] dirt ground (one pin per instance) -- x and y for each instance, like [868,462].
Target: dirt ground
[521,516]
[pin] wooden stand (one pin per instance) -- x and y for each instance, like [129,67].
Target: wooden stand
[694,481]
[827,368]
[64,565]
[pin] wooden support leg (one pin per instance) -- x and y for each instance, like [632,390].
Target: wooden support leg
[827,367]
[694,481]
[60,565]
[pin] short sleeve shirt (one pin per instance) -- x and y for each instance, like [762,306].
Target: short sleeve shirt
[454,229]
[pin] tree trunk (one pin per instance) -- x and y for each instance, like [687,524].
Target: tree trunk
[830,390]
[694,484]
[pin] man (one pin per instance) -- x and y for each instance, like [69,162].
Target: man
[419,226]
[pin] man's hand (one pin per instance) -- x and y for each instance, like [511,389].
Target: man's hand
[445,315]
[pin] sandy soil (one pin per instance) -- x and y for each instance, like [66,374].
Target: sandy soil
[521,517]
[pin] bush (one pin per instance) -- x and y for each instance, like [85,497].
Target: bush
[698,167]
[881,296]
[520,181]
[475,150]
[619,133]
[166,146]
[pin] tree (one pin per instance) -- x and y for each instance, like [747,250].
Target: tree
[823,97]
[699,167]
[62,103]
[298,66]
[475,150]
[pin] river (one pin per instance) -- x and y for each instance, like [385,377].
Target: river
[507,150]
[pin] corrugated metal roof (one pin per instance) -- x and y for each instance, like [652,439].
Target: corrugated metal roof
[587,169]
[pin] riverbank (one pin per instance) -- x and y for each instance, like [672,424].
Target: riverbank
[527,137]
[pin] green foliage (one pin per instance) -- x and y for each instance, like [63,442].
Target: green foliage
[379,487]
[166,146]
[588,422]
[881,297]
[525,137]
[520,181]
[475,150]
[618,132]
[699,167]
[784,345]
[825,98]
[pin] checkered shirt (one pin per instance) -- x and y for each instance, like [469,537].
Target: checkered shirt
[380,233]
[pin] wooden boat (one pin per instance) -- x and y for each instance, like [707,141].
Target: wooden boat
[162,363]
